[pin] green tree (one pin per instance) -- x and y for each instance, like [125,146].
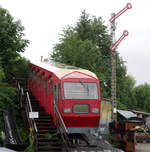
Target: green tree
[20,68]
[7,96]
[125,92]
[12,43]
[2,74]
[86,45]
[142,96]
[11,40]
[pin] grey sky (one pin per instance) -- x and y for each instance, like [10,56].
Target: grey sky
[44,20]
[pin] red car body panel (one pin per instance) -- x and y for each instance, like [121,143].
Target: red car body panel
[46,96]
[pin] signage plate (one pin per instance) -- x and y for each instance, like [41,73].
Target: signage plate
[33,114]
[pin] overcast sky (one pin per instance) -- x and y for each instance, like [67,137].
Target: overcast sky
[44,20]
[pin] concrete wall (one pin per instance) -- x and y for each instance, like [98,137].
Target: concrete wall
[105,115]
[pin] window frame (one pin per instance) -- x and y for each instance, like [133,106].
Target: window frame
[80,98]
[47,91]
[44,81]
[50,82]
[59,92]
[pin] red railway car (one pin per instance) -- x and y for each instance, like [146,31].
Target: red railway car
[75,91]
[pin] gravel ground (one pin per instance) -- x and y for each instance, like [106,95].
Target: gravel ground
[142,147]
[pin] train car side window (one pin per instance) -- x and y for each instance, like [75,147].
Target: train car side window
[59,91]
[46,87]
[30,72]
[44,83]
[56,94]
[40,83]
[50,85]
[35,75]
[38,76]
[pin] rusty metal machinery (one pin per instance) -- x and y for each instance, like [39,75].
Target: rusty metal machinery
[124,134]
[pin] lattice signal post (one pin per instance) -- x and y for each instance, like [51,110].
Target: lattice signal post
[113,57]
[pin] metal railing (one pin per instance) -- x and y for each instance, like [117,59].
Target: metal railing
[61,127]
[28,110]
[26,99]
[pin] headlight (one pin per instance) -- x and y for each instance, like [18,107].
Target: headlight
[67,110]
[95,110]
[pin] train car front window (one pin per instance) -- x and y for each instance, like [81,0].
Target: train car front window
[80,90]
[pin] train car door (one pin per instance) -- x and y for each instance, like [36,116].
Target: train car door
[43,94]
[40,89]
[33,82]
[42,85]
[38,86]
[55,95]
[55,101]
[59,98]
[49,91]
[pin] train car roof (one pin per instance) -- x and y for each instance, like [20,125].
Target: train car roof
[61,70]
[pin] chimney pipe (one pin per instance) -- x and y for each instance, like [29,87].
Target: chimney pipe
[41,58]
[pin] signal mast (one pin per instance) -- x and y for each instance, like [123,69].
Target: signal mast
[113,57]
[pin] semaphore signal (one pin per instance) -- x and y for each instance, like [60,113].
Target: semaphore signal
[113,47]
[125,33]
[128,6]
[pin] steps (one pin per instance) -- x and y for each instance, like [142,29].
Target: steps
[47,139]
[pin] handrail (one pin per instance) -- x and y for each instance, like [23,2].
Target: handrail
[19,86]
[30,110]
[21,97]
[29,102]
[35,127]
[22,92]
[26,98]
[63,131]
[61,119]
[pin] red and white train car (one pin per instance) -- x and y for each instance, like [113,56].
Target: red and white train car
[75,91]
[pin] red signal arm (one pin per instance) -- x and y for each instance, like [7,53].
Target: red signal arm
[125,33]
[128,6]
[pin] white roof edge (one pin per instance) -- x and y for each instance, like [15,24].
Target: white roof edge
[60,69]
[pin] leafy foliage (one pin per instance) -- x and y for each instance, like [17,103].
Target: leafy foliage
[87,46]
[30,148]
[20,68]
[2,74]
[142,96]
[12,44]
[7,95]
[11,40]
